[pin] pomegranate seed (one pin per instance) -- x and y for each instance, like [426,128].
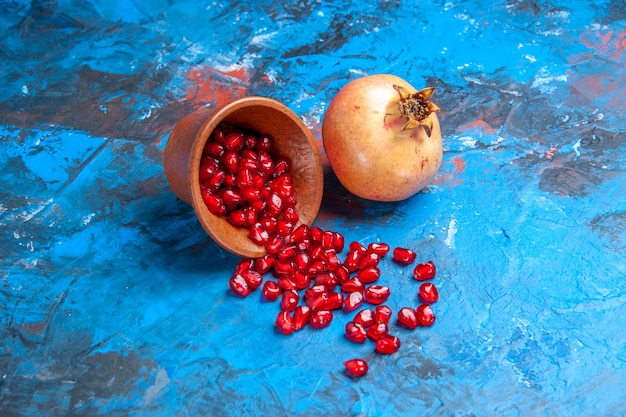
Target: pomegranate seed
[339,242]
[424,271]
[368,260]
[368,275]
[353,301]
[239,285]
[332,259]
[284,322]
[428,292]
[253,278]
[376,294]
[302,232]
[289,300]
[404,256]
[387,345]
[324,301]
[301,261]
[230,160]
[286,283]
[275,244]
[408,317]
[216,180]
[281,167]
[356,246]
[377,331]
[313,291]
[352,260]
[269,223]
[282,267]
[328,240]
[320,319]
[214,204]
[328,280]
[301,280]
[250,141]
[316,267]
[425,315]
[316,234]
[233,141]
[287,252]
[207,170]
[230,179]
[356,368]
[266,164]
[382,314]
[381,249]
[291,215]
[258,234]
[243,264]
[365,318]
[353,285]
[264,264]
[301,317]
[218,135]
[213,149]
[342,274]
[264,143]
[355,332]
[284,228]
[271,290]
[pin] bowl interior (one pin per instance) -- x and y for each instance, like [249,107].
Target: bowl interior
[292,140]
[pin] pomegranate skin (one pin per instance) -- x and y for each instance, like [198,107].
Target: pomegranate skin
[366,147]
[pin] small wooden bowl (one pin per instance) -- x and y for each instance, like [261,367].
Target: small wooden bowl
[292,140]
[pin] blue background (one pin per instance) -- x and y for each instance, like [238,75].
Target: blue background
[114,302]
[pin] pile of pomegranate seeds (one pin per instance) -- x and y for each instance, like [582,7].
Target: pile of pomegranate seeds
[243,181]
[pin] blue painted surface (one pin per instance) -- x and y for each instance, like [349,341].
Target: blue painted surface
[114,302]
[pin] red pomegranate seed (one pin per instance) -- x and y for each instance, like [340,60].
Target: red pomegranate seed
[382,314]
[365,318]
[331,259]
[300,233]
[301,280]
[353,301]
[282,267]
[352,260]
[425,315]
[284,228]
[230,160]
[316,234]
[216,180]
[214,204]
[271,290]
[239,285]
[264,264]
[250,141]
[230,179]
[320,319]
[404,256]
[355,332]
[356,246]
[287,252]
[377,331]
[289,300]
[387,345]
[342,274]
[356,368]
[281,167]
[258,234]
[213,149]
[243,264]
[428,292]
[233,141]
[284,322]
[424,271]
[253,278]
[381,249]
[368,260]
[275,244]
[376,294]
[313,291]
[316,267]
[264,143]
[219,134]
[408,317]
[301,261]
[206,171]
[353,285]
[327,279]
[339,242]
[301,317]
[286,282]
[368,275]
[291,215]
[325,301]
[265,163]
[269,223]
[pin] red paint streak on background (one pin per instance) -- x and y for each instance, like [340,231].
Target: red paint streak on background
[479,125]
[209,85]
[608,45]
[458,166]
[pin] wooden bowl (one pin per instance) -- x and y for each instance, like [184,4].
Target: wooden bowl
[292,140]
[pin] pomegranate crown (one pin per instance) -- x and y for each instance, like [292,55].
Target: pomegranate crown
[417,107]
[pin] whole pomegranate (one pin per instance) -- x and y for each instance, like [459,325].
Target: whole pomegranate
[382,137]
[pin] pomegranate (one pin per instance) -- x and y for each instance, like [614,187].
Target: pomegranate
[382,137]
